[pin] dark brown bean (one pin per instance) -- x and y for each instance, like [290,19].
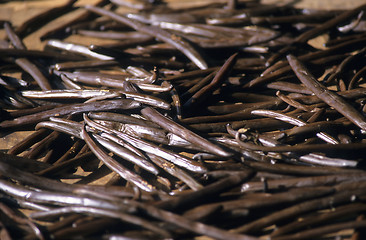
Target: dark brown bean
[331,98]
[70,109]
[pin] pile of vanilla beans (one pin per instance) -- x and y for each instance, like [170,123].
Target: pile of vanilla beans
[225,120]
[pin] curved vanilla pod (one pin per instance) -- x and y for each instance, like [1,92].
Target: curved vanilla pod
[21,220]
[175,171]
[216,82]
[114,165]
[175,158]
[295,121]
[77,48]
[98,212]
[342,197]
[92,93]
[183,132]
[126,154]
[316,31]
[120,118]
[55,198]
[188,224]
[68,109]
[185,47]
[329,97]
[336,213]
[11,171]
[73,130]
[24,63]
[207,192]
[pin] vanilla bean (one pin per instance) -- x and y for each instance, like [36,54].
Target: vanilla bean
[206,192]
[251,202]
[83,226]
[175,171]
[103,213]
[177,159]
[220,76]
[54,198]
[114,165]
[83,64]
[319,231]
[190,225]
[27,142]
[330,23]
[331,98]
[283,117]
[277,184]
[184,133]
[127,154]
[321,203]
[335,214]
[282,67]
[282,168]
[24,63]
[159,33]
[304,37]
[70,109]
[21,53]
[20,220]
[48,184]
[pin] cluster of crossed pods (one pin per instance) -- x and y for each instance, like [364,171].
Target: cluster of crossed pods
[222,120]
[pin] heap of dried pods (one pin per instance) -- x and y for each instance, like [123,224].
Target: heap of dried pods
[223,121]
